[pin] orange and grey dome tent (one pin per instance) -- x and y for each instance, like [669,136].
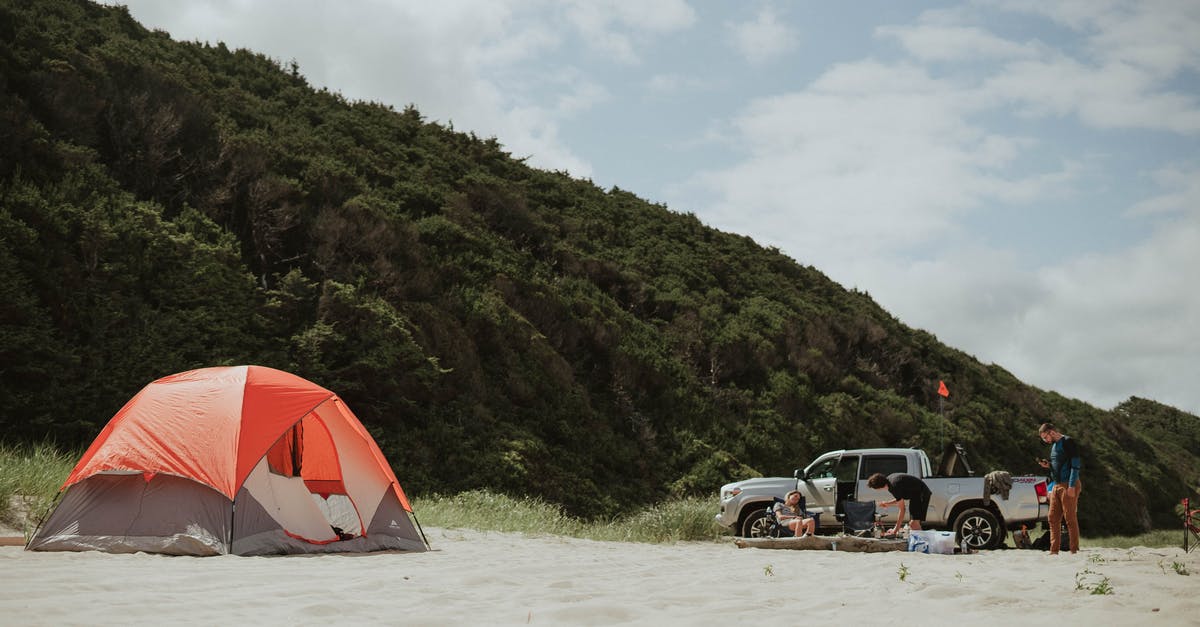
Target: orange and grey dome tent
[243,459]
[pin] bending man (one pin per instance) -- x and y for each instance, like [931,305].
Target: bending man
[903,487]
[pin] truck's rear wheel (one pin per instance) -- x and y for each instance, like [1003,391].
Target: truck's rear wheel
[979,528]
[756,525]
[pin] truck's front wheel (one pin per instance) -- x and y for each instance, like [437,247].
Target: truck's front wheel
[756,525]
[979,528]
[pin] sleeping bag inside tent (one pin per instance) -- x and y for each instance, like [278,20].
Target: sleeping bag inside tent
[245,460]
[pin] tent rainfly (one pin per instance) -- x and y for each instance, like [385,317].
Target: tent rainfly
[244,460]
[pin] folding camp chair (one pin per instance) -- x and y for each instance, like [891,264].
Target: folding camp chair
[775,529]
[860,518]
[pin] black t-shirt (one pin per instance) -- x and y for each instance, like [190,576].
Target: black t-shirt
[906,486]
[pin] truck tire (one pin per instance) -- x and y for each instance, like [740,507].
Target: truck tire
[979,528]
[756,524]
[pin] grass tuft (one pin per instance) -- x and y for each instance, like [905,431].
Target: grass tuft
[30,476]
[1093,582]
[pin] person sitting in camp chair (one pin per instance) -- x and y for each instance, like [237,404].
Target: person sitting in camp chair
[791,514]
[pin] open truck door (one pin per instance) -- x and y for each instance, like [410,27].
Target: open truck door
[829,481]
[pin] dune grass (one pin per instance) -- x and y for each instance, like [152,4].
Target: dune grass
[30,476]
[671,521]
[1156,538]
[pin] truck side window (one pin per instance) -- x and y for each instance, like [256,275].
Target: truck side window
[823,469]
[886,464]
[847,468]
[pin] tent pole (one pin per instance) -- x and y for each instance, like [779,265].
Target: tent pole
[42,519]
[232,515]
[414,515]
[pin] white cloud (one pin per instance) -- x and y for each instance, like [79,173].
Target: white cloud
[1120,77]
[613,26]
[671,84]
[1113,96]
[1181,183]
[1158,36]
[763,39]
[972,296]
[1117,79]
[871,159]
[654,17]
[942,42]
[1124,321]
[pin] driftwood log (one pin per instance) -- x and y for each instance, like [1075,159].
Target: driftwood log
[852,544]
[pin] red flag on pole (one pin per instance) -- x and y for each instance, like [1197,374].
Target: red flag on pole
[942,389]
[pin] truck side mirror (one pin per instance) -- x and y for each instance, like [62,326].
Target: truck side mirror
[800,475]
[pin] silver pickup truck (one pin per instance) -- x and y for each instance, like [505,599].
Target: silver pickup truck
[958,502]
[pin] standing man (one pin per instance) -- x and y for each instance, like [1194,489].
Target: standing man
[903,486]
[1064,501]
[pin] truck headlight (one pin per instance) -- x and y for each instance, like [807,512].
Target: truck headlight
[730,493]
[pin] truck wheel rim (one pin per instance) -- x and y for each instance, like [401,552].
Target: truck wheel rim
[977,531]
[759,528]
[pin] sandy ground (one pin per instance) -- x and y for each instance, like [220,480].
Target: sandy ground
[512,579]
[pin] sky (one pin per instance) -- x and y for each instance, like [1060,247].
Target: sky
[1020,178]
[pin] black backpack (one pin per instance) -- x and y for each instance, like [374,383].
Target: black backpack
[1043,541]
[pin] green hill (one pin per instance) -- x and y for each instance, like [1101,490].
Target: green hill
[168,205]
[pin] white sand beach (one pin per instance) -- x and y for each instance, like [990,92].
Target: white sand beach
[512,579]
